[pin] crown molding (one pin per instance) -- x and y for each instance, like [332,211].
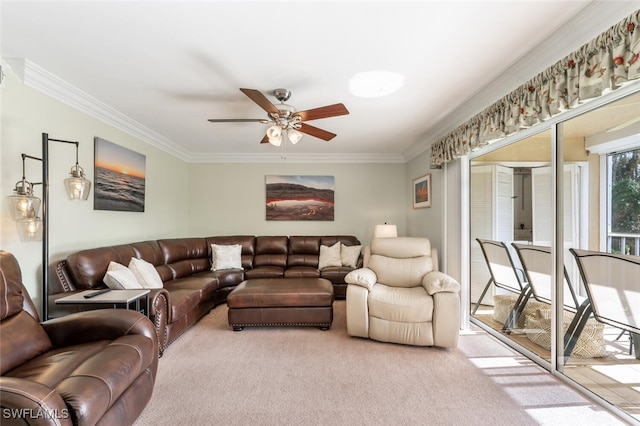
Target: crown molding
[279,157]
[38,78]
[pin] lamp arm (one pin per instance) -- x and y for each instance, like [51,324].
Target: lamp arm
[45,219]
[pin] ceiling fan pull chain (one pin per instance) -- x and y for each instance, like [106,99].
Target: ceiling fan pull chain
[284,150]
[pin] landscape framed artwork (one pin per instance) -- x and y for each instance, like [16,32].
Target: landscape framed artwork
[422,191]
[120,177]
[299,197]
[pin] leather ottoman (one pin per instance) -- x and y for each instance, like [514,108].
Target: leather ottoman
[281,302]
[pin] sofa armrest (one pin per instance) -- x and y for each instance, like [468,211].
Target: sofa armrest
[363,277]
[159,306]
[101,324]
[437,282]
[32,403]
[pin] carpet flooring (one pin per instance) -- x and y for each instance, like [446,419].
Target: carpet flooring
[305,376]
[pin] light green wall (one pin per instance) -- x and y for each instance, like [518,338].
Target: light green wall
[228,199]
[182,199]
[27,113]
[425,222]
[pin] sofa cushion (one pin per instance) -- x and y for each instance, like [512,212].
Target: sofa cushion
[181,299]
[349,255]
[417,305]
[176,249]
[264,272]
[335,274]
[21,339]
[271,251]
[88,267]
[21,336]
[226,257]
[303,251]
[400,272]
[247,242]
[183,257]
[119,277]
[302,272]
[226,278]
[329,256]
[145,273]
[201,284]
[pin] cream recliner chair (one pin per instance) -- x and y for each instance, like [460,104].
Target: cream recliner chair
[400,296]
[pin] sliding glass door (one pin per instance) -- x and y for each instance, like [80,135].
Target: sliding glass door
[534,204]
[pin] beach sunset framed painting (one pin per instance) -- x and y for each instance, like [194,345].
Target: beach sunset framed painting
[119,178]
[422,191]
[300,197]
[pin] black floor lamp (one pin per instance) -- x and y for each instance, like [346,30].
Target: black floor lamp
[24,207]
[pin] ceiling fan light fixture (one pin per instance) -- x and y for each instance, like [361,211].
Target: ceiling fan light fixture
[276,141]
[274,133]
[294,136]
[376,83]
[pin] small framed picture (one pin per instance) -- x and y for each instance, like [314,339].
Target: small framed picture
[422,191]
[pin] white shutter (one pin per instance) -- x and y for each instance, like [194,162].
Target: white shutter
[503,226]
[481,226]
[491,218]
[541,208]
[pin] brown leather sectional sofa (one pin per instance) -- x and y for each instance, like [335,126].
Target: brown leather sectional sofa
[191,288]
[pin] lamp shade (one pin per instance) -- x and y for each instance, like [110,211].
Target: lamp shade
[274,133]
[77,186]
[29,229]
[24,206]
[294,136]
[385,231]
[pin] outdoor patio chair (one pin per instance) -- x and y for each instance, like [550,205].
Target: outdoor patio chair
[504,275]
[536,263]
[612,282]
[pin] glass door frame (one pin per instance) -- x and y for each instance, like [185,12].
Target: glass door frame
[556,364]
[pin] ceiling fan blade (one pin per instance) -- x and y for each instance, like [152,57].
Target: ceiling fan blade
[265,139]
[323,112]
[257,97]
[318,133]
[238,120]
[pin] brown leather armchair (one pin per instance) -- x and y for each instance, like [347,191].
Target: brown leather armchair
[94,367]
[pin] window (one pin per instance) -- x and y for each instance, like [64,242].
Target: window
[623,202]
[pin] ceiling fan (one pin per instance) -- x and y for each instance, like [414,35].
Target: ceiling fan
[284,119]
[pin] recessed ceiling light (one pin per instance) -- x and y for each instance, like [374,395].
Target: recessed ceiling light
[373,84]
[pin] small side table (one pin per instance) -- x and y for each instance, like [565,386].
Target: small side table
[127,299]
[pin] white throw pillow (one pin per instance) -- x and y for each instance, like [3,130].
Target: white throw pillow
[119,277]
[329,256]
[145,273]
[350,255]
[226,257]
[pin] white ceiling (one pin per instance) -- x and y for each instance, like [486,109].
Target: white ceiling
[169,66]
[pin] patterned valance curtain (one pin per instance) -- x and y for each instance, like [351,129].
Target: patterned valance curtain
[606,62]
